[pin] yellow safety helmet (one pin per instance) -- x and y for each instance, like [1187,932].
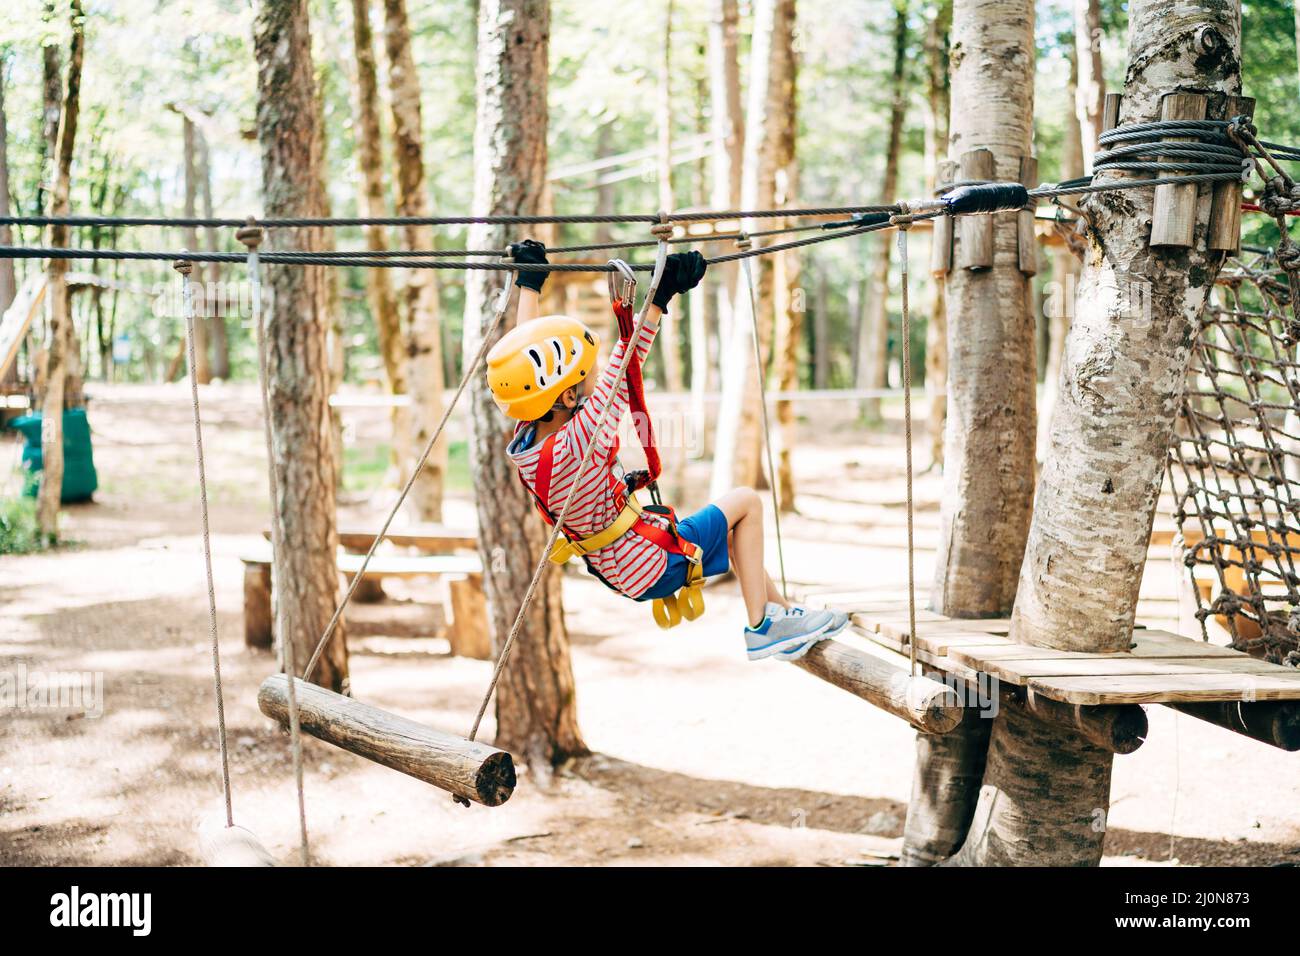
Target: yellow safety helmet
[535,362]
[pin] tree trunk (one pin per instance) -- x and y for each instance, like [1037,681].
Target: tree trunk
[936,146]
[821,375]
[991,382]
[379,287]
[876,354]
[728,126]
[535,708]
[8,280]
[703,311]
[297,335]
[788,295]
[1090,86]
[669,344]
[61,341]
[991,366]
[218,303]
[738,455]
[1065,276]
[1046,792]
[190,236]
[423,336]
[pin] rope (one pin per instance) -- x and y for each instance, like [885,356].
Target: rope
[251,236]
[620,373]
[184,268]
[470,369]
[762,403]
[330,222]
[904,221]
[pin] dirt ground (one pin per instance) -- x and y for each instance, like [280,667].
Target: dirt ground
[700,757]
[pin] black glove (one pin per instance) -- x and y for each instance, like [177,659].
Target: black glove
[682,271]
[529,251]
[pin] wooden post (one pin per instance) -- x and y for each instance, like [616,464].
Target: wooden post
[975,250]
[945,789]
[258,630]
[1026,240]
[1119,728]
[1173,214]
[474,771]
[1225,208]
[929,706]
[1110,112]
[468,634]
[1276,723]
[941,236]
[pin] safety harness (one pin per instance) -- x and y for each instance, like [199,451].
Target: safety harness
[688,602]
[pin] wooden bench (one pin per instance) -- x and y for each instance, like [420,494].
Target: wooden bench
[468,633]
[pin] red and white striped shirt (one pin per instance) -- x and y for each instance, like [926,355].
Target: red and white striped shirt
[632,563]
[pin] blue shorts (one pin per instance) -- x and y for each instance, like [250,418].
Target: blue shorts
[707,528]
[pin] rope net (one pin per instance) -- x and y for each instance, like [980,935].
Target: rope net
[1234,462]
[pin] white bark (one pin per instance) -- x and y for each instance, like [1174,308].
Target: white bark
[1090,91]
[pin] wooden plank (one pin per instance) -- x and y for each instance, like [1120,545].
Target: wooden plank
[941,237]
[1173,211]
[469,770]
[393,565]
[1225,207]
[929,706]
[468,634]
[17,319]
[1026,240]
[976,655]
[1187,688]
[1022,671]
[434,538]
[1110,111]
[975,233]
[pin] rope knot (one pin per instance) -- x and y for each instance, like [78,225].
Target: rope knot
[1288,254]
[904,217]
[743,242]
[250,234]
[184,267]
[1278,197]
[663,229]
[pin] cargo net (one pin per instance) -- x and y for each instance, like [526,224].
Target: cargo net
[1234,463]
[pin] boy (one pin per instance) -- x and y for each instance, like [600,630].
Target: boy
[540,373]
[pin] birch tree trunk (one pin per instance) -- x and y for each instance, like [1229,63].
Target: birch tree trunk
[423,336]
[989,448]
[535,707]
[936,146]
[220,342]
[1090,87]
[876,353]
[202,365]
[62,343]
[989,439]
[738,454]
[1046,792]
[669,338]
[297,336]
[379,287]
[789,300]
[8,279]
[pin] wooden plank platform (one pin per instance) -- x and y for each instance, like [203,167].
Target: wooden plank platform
[1160,667]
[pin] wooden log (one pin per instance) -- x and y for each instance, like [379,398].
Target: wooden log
[1276,723]
[1225,207]
[258,628]
[1026,237]
[945,790]
[1173,214]
[1110,111]
[468,634]
[220,845]
[1119,728]
[941,237]
[473,771]
[975,233]
[929,706]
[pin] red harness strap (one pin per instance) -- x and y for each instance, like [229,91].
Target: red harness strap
[636,393]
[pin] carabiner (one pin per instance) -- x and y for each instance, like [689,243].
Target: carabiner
[628,294]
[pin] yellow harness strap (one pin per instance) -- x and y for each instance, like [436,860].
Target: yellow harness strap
[687,603]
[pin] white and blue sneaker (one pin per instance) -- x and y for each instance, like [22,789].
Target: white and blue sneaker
[789,632]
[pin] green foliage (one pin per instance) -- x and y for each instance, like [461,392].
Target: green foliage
[19,533]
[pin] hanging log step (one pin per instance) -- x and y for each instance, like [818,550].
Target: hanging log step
[928,705]
[463,768]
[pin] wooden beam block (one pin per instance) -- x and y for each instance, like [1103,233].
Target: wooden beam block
[1276,723]
[1121,729]
[469,770]
[1110,111]
[975,233]
[941,237]
[1189,688]
[258,615]
[1173,212]
[1026,237]
[468,634]
[929,706]
[1225,207]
